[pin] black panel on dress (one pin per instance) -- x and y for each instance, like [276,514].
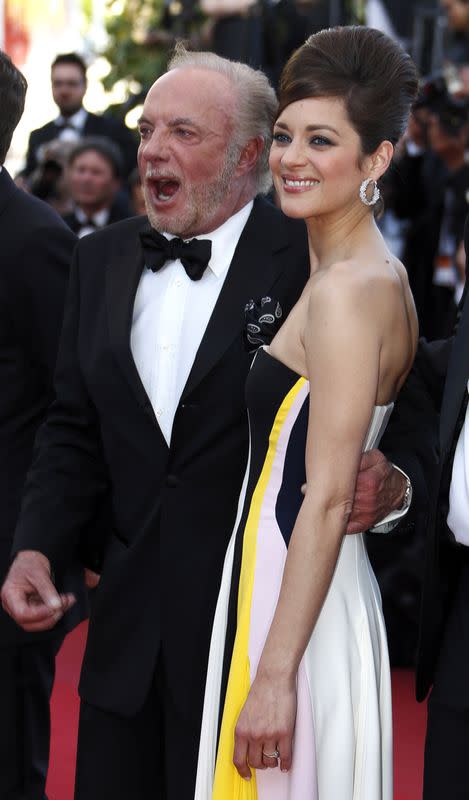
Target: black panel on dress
[290,497]
[267,385]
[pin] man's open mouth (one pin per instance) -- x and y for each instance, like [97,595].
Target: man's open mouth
[164,189]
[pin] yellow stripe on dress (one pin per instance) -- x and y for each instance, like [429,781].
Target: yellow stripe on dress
[228,785]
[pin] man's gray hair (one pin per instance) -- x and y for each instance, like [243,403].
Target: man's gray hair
[256,103]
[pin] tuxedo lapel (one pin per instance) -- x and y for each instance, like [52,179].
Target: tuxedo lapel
[122,279]
[253,270]
[456,381]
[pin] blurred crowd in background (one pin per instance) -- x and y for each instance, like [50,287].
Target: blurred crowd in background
[84,165]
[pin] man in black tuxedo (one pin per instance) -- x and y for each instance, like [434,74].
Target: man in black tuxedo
[68,77]
[36,249]
[150,407]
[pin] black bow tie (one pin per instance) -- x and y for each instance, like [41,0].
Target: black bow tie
[80,223]
[64,125]
[194,255]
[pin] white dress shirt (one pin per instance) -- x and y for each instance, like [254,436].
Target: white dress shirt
[171,313]
[74,126]
[100,219]
[458,516]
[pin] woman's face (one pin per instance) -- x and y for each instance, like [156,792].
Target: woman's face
[316,158]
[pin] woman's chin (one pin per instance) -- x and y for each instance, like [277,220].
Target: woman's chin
[295,210]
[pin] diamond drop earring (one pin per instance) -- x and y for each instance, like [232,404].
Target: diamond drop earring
[376,192]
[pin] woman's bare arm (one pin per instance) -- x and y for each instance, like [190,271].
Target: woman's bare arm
[342,343]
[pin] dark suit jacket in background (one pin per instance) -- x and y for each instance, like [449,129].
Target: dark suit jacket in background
[444,557]
[422,438]
[95,125]
[119,210]
[36,250]
[174,507]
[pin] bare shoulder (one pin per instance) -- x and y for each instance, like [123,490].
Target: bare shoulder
[368,294]
[353,283]
[401,271]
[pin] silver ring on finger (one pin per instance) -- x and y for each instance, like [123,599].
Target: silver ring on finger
[275,754]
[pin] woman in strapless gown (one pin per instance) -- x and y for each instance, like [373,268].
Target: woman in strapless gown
[298,698]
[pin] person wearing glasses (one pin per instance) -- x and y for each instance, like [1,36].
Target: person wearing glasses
[69,84]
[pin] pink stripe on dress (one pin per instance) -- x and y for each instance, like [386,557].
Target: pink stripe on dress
[271,553]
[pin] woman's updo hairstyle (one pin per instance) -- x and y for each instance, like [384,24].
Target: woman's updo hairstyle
[371,73]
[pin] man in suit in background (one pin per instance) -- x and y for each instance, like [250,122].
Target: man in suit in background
[150,406]
[93,175]
[36,250]
[68,76]
[429,439]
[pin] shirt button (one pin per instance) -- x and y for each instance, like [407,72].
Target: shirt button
[178,282]
[159,412]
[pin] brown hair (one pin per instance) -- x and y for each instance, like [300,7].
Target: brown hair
[70,58]
[374,76]
[13,87]
[105,147]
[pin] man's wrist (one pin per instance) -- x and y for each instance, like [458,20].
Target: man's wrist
[391,521]
[406,499]
[26,556]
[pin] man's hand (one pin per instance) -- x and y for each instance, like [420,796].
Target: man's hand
[29,596]
[91,578]
[379,490]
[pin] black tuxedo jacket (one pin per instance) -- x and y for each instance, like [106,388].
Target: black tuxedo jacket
[174,507]
[119,210]
[422,438]
[36,250]
[443,555]
[95,125]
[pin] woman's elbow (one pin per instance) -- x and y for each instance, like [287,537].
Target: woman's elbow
[329,507]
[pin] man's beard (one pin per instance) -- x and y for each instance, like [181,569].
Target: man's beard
[69,111]
[200,208]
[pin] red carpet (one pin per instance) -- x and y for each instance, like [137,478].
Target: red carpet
[409,727]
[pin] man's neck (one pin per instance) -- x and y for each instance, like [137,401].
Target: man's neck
[69,114]
[238,202]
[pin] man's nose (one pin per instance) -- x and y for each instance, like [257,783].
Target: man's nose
[156,147]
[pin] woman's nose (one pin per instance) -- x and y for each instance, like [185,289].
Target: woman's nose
[294,154]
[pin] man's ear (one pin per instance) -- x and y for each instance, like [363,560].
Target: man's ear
[250,155]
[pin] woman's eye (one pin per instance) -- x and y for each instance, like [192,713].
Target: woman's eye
[144,132]
[321,141]
[281,138]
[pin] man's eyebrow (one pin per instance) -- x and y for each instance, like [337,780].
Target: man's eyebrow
[173,123]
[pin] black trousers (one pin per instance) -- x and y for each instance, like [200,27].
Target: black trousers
[446,772]
[446,753]
[150,756]
[26,679]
